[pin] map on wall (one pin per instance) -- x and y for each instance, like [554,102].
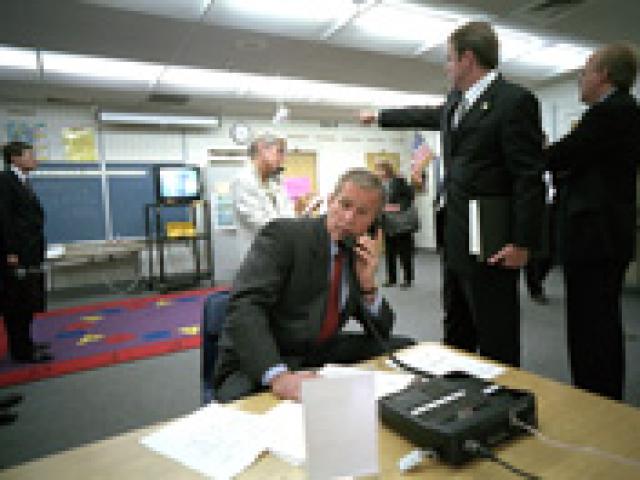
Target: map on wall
[33,133]
[79,144]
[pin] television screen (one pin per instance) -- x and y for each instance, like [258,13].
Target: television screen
[177,184]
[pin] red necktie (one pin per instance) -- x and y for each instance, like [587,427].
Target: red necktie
[330,324]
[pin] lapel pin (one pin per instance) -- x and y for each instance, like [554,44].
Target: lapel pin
[485,106]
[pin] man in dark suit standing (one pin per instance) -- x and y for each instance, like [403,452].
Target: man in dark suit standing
[21,253]
[398,244]
[299,283]
[599,159]
[492,147]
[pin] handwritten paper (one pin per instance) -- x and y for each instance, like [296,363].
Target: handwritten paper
[217,441]
[285,426]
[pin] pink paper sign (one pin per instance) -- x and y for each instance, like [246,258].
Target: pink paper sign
[297,186]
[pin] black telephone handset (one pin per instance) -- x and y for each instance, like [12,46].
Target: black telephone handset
[373,228]
[348,242]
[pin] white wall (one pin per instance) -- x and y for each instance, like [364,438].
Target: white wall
[337,148]
[559,105]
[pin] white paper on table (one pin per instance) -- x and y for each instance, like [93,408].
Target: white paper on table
[439,360]
[284,425]
[217,441]
[385,382]
[341,426]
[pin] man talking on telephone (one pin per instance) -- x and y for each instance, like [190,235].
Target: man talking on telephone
[299,284]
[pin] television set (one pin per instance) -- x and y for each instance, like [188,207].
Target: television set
[177,184]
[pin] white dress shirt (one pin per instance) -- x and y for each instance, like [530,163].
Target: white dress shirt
[255,203]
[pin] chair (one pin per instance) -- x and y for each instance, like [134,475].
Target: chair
[213,316]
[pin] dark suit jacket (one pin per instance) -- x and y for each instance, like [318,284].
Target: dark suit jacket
[278,300]
[496,150]
[401,193]
[600,158]
[21,233]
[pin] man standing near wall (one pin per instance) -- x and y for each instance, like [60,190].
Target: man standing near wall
[599,161]
[258,193]
[21,253]
[492,146]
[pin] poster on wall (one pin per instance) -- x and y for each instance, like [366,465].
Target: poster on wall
[33,133]
[79,144]
[223,205]
[297,187]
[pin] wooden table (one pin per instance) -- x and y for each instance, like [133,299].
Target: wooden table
[564,413]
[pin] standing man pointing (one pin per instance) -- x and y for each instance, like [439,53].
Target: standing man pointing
[492,146]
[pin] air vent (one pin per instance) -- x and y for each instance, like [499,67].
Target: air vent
[544,12]
[68,101]
[168,99]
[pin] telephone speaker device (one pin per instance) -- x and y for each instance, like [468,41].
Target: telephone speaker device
[443,414]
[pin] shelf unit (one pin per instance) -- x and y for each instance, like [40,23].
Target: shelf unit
[157,241]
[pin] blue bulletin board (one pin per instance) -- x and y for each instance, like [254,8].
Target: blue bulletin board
[76,208]
[72,201]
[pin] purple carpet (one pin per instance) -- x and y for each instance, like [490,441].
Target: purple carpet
[96,335]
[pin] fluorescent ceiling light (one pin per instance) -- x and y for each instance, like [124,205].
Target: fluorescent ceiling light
[19,58]
[291,10]
[199,79]
[561,57]
[514,43]
[407,23]
[100,68]
[216,82]
[158,119]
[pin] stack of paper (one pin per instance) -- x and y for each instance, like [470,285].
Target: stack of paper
[285,424]
[217,441]
[385,382]
[439,360]
[220,441]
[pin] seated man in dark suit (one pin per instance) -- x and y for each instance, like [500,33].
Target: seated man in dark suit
[297,287]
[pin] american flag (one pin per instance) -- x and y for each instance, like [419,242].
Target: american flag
[420,150]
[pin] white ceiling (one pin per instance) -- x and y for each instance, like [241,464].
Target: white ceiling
[331,45]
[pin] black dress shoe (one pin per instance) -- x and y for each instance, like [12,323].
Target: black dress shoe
[389,284]
[405,285]
[35,357]
[42,345]
[7,417]
[8,401]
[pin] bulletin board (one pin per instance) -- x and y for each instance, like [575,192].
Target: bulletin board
[76,207]
[392,157]
[73,207]
[301,166]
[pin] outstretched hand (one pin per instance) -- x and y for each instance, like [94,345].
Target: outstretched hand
[368,117]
